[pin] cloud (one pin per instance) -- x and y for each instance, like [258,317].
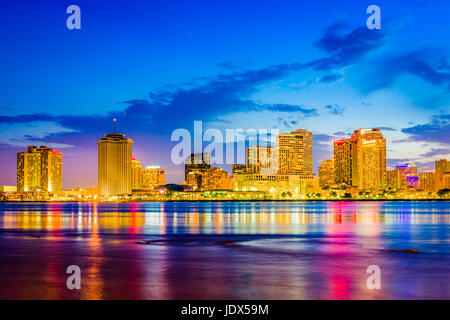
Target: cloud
[345,48]
[381,73]
[32,133]
[335,109]
[437,130]
[436,152]
[387,129]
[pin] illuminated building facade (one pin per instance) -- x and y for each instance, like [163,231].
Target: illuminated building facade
[153,176]
[136,173]
[404,177]
[259,159]
[277,184]
[428,181]
[39,169]
[326,174]
[294,152]
[197,162]
[361,160]
[238,169]
[442,166]
[211,179]
[114,165]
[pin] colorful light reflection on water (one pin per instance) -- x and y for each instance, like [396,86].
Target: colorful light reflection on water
[225,250]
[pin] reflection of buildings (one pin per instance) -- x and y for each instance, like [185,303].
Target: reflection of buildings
[153,176]
[295,152]
[114,164]
[197,162]
[211,179]
[361,160]
[39,169]
[326,173]
[403,177]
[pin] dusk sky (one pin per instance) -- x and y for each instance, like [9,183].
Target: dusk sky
[160,65]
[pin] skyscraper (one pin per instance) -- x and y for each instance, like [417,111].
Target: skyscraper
[326,173]
[258,159]
[295,152]
[39,169]
[361,160]
[136,173]
[442,166]
[197,162]
[114,164]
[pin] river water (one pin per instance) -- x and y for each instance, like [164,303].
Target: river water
[225,250]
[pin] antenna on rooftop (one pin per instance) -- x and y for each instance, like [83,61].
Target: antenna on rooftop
[114,125]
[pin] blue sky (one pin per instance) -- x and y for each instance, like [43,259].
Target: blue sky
[160,65]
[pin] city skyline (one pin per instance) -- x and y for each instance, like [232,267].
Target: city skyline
[210,62]
[358,161]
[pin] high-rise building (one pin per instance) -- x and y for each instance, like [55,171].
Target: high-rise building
[114,164]
[197,162]
[326,174]
[295,152]
[39,169]
[428,181]
[442,166]
[153,176]
[136,173]
[259,159]
[361,160]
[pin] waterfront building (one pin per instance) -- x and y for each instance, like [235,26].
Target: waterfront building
[278,184]
[153,176]
[136,173]
[197,162]
[404,177]
[326,173]
[39,169]
[294,151]
[442,166]
[211,179]
[360,161]
[114,164]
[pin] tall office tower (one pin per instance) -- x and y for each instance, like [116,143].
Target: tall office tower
[114,164]
[442,166]
[326,173]
[259,159]
[361,160]
[153,176]
[197,162]
[39,169]
[295,152]
[136,173]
